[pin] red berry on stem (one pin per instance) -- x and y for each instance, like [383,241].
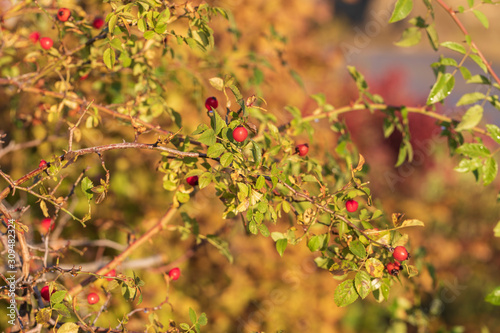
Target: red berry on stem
[174,273]
[393,268]
[302,149]
[42,164]
[351,205]
[92,298]
[46,43]
[111,273]
[45,293]
[193,180]
[211,102]
[400,253]
[240,133]
[34,36]
[46,224]
[98,22]
[63,14]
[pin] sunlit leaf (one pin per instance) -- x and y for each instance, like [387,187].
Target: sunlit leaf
[345,293]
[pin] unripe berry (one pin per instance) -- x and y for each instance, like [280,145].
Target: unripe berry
[92,298]
[46,43]
[400,253]
[174,273]
[193,180]
[302,149]
[98,22]
[240,133]
[63,14]
[351,205]
[211,102]
[34,36]
[45,293]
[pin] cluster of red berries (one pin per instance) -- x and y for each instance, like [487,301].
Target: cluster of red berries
[63,15]
[400,254]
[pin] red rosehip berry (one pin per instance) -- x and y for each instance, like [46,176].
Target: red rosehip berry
[84,77]
[63,14]
[174,273]
[46,43]
[193,180]
[393,268]
[45,293]
[42,164]
[211,102]
[92,298]
[351,205]
[111,273]
[302,149]
[240,133]
[400,253]
[98,22]
[34,36]
[46,224]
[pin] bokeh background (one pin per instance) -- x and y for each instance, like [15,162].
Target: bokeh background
[456,253]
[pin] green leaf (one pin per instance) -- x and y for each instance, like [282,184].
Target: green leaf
[471,118]
[410,37]
[217,123]
[264,230]
[216,150]
[494,297]
[141,25]
[357,248]
[192,315]
[401,10]
[442,88]
[185,327]
[252,227]
[473,150]
[281,245]
[471,98]
[87,186]
[68,328]
[297,78]
[412,223]
[314,244]
[109,57]
[358,78]
[202,320]
[58,296]
[256,152]
[345,293]
[112,22]
[208,137]
[465,73]
[490,170]
[468,165]
[217,83]
[479,62]
[493,132]
[362,282]
[481,79]
[402,154]
[226,159]
[222,246]
[454,46]
[433,36]
[205,180]
[261,181]
[482,18]
[496,230]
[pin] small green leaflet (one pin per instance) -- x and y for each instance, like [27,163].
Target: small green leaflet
[401,10]
[362,282]
[442,88]
[345,293]
[109,58]
[281,245]
[471,118]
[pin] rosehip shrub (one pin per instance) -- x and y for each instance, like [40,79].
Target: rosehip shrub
[240,133]
[92,298]
[174,273]
[351,205]
[63,14]
[400,253]
[193,180]
[211,102]
[302,149]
